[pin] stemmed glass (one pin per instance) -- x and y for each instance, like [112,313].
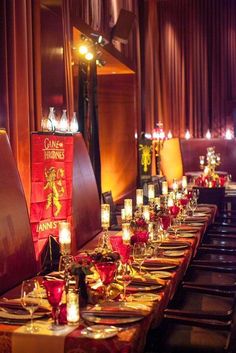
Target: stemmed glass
[126,276]
[139,254]
[54,290]
[106,271]
[193,205]
[31,298]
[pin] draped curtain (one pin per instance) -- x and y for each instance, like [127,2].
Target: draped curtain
[18,110]
[189,64]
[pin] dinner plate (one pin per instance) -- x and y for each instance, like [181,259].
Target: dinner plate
[190,230]
[187,235]
[162,274]
[174,253]
[99,331]
[199,214]
[144,296]
[174,247]
[19,317]
[159,267]
[199,224]
[138,288]
[111,320]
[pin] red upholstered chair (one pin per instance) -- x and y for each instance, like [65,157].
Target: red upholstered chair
[16,246]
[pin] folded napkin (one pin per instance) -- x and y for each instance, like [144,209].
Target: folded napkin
[160,261]
[118,309]
[14,305]
[145,282]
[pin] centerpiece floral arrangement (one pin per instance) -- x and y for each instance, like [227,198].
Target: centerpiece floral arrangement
[139,228]
[212,181]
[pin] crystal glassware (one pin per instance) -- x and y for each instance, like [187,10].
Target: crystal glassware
[106,271]
[139,254]
[54,290]
[31,298]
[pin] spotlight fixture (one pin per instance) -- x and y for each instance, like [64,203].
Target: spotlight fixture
[83,49]
[89,56]
[89,49]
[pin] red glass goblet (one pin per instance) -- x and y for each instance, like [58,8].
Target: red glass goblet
[165,221]
[106,271]
[124,251]
[54,290]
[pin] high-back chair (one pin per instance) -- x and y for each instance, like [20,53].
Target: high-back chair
[16,245]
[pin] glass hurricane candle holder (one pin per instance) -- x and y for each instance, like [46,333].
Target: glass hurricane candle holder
[164,188]
[128,209]
[139,198]
[151,192]
[146,213]
[126,232]
[64,234]
[184,182]
[72,308]
[105,222]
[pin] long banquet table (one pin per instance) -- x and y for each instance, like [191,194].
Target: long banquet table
[130,338]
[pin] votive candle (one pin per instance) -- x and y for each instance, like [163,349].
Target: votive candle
[72,308]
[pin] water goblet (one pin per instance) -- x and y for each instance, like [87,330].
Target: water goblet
[31,298]
[193,205]
[54,290]
[139,254]
[126,277]
[106,271]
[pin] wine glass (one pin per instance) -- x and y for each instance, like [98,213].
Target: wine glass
[31,298]
[139,254]
[54,290]
[193,205]
[106,271]
[126,276]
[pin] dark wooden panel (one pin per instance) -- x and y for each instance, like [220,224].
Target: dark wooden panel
[117,125]
[52,60]
[17,257]
[85,199]
[193,148]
